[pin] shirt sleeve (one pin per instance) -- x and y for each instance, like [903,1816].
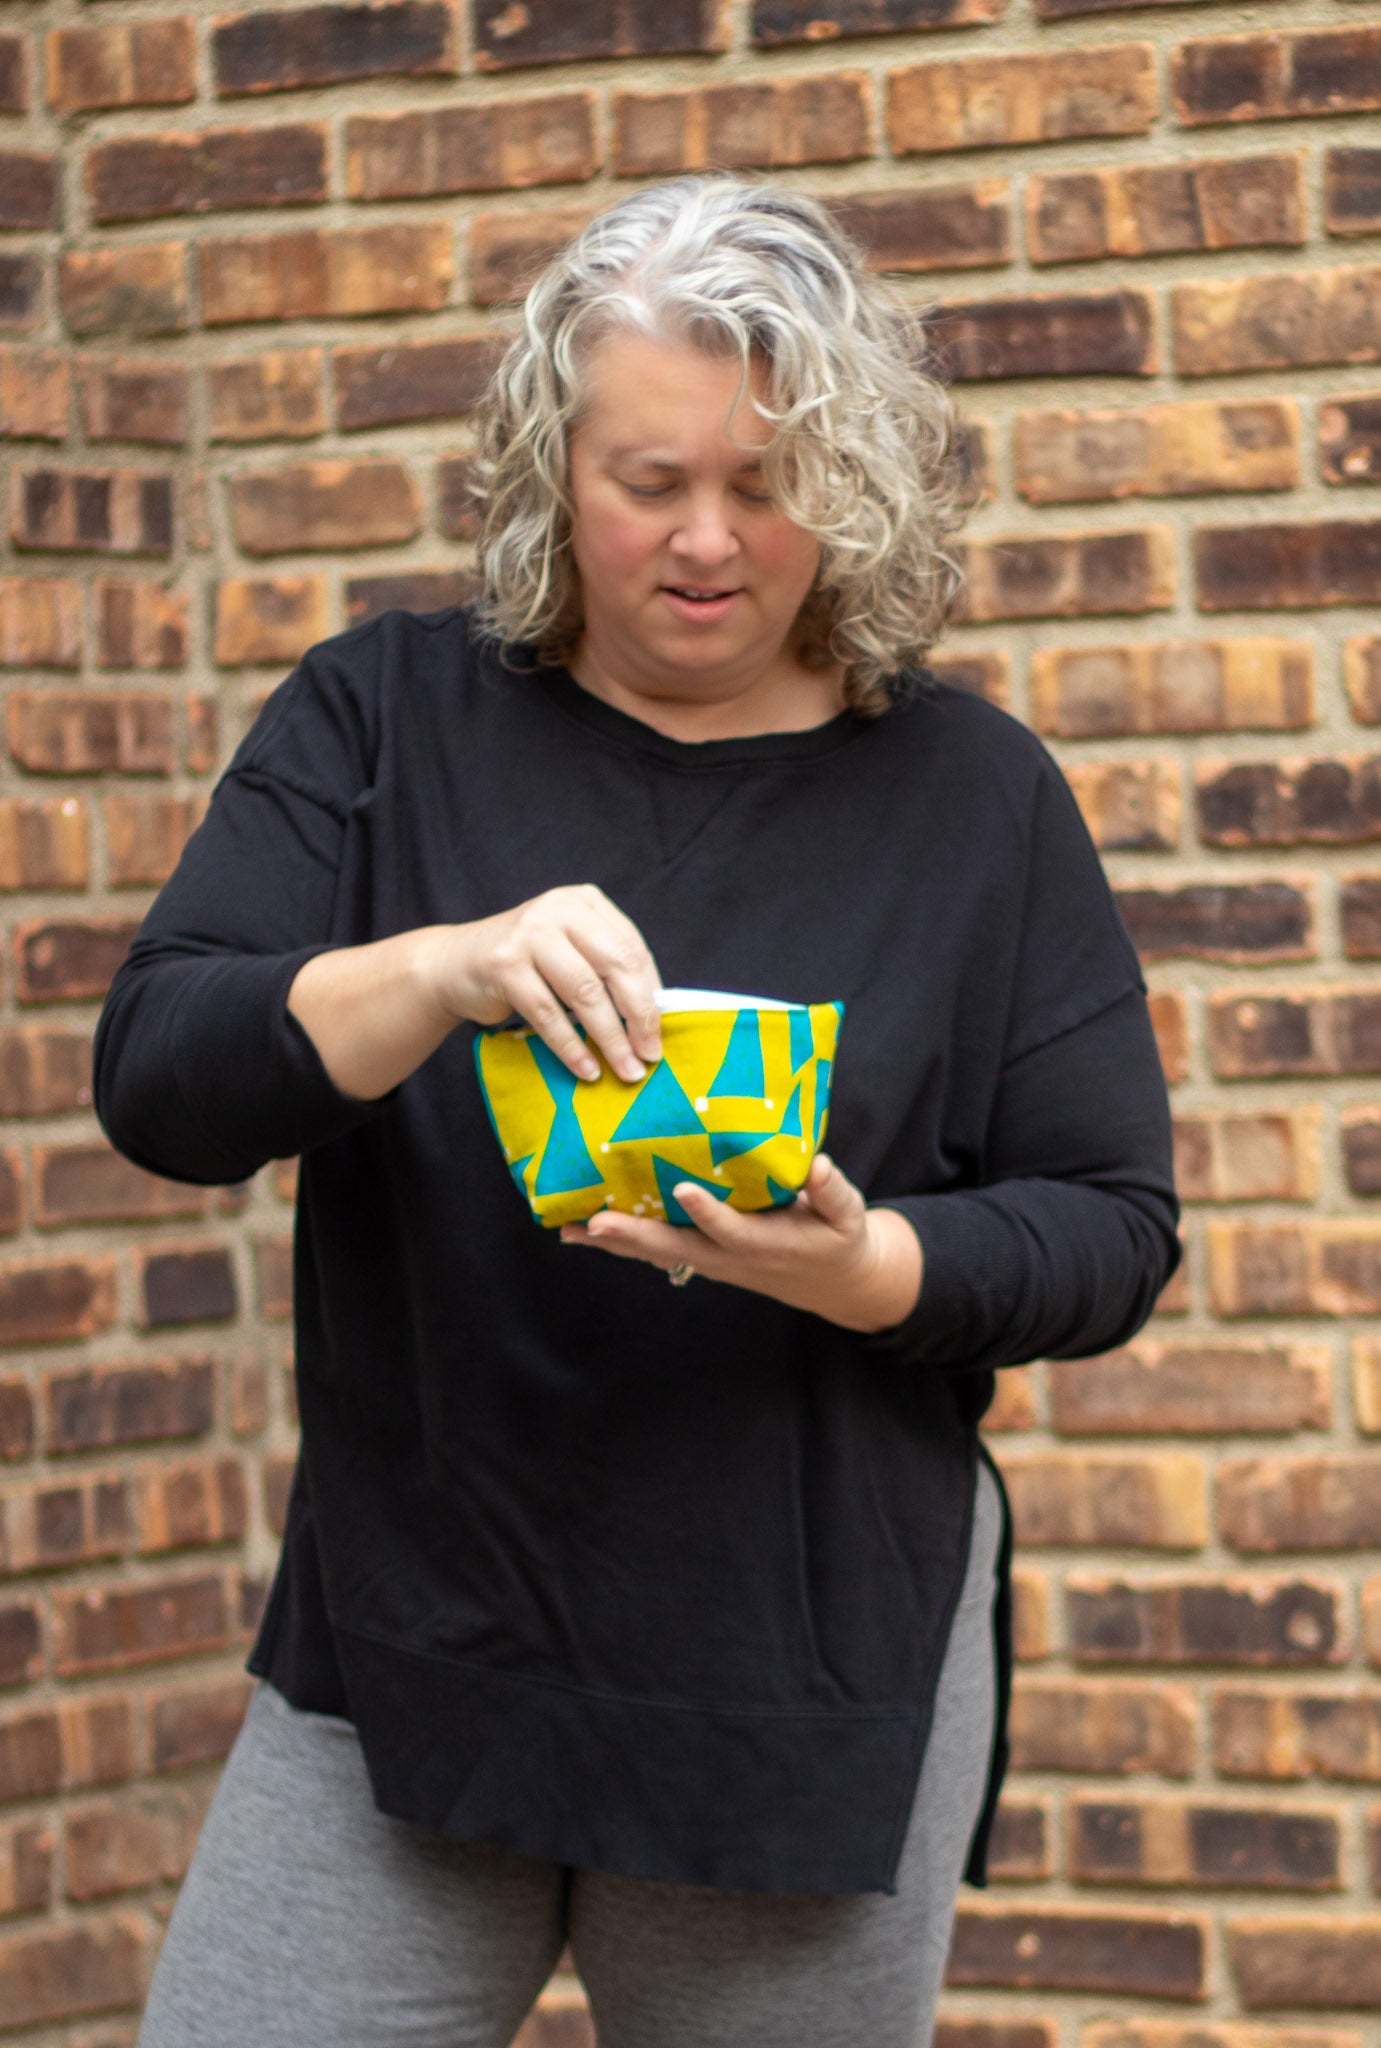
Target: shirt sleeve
[1064,1246]
[201,1073]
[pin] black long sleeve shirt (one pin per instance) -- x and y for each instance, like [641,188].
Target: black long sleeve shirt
[648,1579]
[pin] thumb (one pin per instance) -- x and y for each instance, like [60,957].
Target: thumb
[831,1194]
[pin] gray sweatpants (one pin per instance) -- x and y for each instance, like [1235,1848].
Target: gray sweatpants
[310,1920]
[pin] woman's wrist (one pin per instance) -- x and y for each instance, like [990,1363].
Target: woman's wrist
[889,1287]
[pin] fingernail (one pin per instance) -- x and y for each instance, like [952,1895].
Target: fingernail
[633,1070]
[588,1070]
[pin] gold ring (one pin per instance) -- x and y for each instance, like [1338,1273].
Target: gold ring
[679,1275]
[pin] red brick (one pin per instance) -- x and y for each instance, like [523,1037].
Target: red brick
[1196,1388]
[69,959]
[1111,1727]
[1129,804]
[44,844]
[145,836]
[944,227]
[16,1420]
[107,1629]
[75,732]
[767,124]
[124,64]
[1170,1022]
[21,1647]
[406,381]
[40,622]
[21,286]
[1352,191]
[1314,1963]
[57,1300]
[806,21]
[1279,1734]
[248,1396]
[1258,1157]
[1324,1031]
[1020,1849]
[1295,321]
[419,591]
[1034,96]
[1371,1621]
[279,49]
[1296,567]
[1366,1384]
[987,675]
[14,74]
[1289,803]
[186,1284]
[276,395]
[203,725]
[1325,1268]
[1257,1621]
[124,1844]
[1165,209]
[1064,1498]
[179,1506]
[1275,77]
[507,250]
[1105,334]
[62,1972]
[35,389]
[1175,1842]
[43,1070]
[30,191]
[84,1742]
[1157,451]
[500,147]
[140,625]
[195,1725]
[1350,440]
[112,512]
[135,289]
[506,39]
[1031,1639]
[1360,1135]
[139,177]
[1362,678]
[1063,1948]
[268,619]
[66,1522]
[325,273]
[1053,576]
[1220,921]
[26,1867]
[95,1184]
[457,508]
[323,505]
[94,1407]
[1013,1404]
[1271,1504]
[130,401]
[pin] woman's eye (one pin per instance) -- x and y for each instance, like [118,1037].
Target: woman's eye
[754,497]
[648,490]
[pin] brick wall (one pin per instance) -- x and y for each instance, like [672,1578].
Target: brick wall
[251,267]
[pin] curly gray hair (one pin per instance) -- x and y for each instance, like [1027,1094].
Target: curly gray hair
[863,455]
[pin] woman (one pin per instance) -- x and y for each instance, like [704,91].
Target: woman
[656,1618]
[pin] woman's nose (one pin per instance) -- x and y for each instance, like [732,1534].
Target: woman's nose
[706,534]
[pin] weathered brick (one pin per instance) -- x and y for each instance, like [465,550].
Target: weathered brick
[132,401]
[95,1184]
[1323,1031]
[44,844]
[139,177]
[1065,1498]
[1105,1726]
[123,1844]
[1360,1137]
[1269,1156]
[410,380]
[457,508]
[1054,576]
[61,1972]
[944,227]
[1322,1268]
[1031,1635]
[485,148]
[1371,1621]
[1295,567]
[40,622]
[1269,1504]
[420,591]
[43,1070]
[1359,909]
[1165,209]
[1176,1842]
[1221,921]
[1313,1963]
[268,397]
[111,512]
[75,732]
[1064,1948]
[1289,803]
[987,675]
[145,836]
[325,273]
[86,1741]
[21,288]
[1366,1382]
[1296,321]
[1020,1848]
[35,391]
[1170,1022]
[186,1284]
[1033,96]
[1257,1621]
[102,1629]
[1350,440]
[140,625]
[323,505]
[54,1301]
[201,752]
[21,1646]
[268,619]
[70,959]
[277,1480]
[135,289]
[278,49]
[1050,334]
[806,21]
[123,64]
[16,1420]
[68,1522]
[1129,804]
[506,39]
[1061,10]
[30,190]
[94,1407]
[1282,1734]
[1275,77]
[766,124]
[11,1192]
[26,1867]
[1352,191]
[180,1506]
[1198,1388]
[14,74]
[248,1395]
[1158,451]
[506,250]
[195,1725]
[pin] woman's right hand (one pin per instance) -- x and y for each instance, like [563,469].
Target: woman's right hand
[569,951]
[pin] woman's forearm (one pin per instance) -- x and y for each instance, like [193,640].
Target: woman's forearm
[375,1012]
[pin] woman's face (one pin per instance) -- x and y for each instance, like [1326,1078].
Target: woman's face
[687,568]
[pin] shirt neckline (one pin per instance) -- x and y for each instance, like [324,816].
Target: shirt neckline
[621,727]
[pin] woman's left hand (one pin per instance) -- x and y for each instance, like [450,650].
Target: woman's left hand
[827,1251]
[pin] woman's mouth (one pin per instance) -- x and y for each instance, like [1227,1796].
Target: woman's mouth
[696,602]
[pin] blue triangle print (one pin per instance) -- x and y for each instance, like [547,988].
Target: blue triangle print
[822,1097]
[566,1162]
[740,1071]
[518,1167]
[730,1144]
[791,1122]
[660,1109]
[669,1177]
[778,1193]
[802,1039]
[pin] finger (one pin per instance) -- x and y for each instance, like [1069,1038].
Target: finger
[625,961]
[832,1195]
[576,978]
[714,1219]
[537,1005]
[639,1237]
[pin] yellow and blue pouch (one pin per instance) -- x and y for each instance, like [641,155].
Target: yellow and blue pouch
[738,1102]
